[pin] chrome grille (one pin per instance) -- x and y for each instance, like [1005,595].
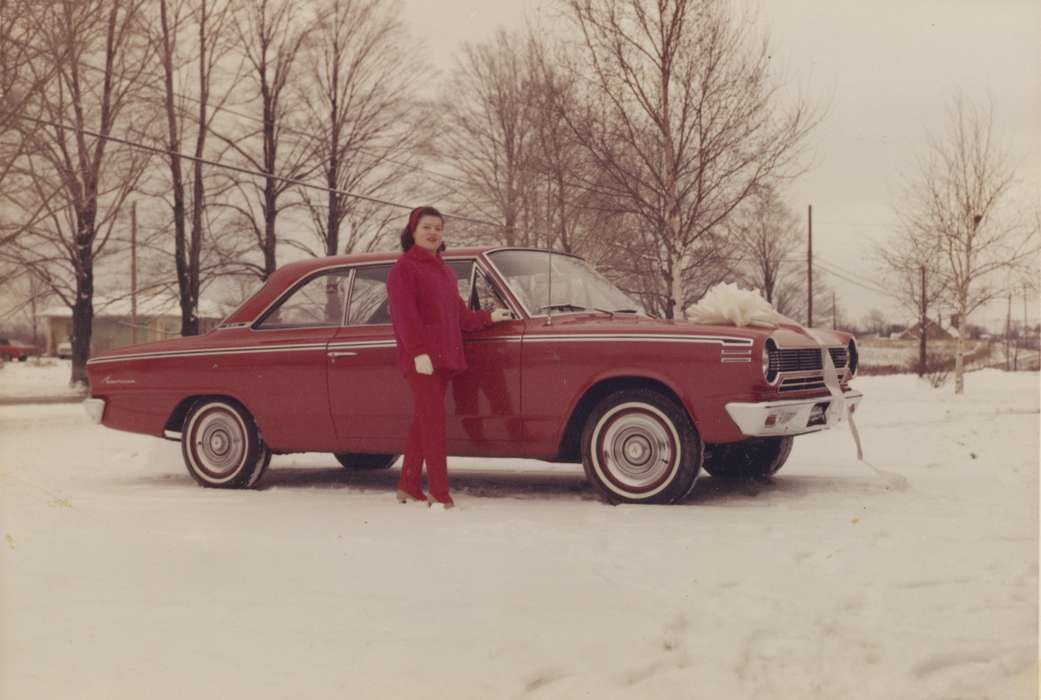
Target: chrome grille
[804,359]
[815,381]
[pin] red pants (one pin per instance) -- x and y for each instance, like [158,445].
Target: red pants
[426,437]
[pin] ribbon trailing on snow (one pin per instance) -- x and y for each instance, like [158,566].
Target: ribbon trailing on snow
[838,403]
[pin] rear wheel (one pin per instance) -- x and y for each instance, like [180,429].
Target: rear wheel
[639,446]
[222,447]
[357,460]
[755,458]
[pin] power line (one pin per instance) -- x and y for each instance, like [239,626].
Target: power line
[852,281]
[259,120]
[235,168]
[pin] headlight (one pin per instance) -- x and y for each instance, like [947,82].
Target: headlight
[854,357]
[769,348]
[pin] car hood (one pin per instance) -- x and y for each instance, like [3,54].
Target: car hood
[786,335]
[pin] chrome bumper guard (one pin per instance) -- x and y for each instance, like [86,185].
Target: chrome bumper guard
[789,417]
[95,409]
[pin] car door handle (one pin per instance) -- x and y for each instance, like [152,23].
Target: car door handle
[341,353]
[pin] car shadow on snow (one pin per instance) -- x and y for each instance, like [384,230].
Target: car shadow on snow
[717,491]
[541,484]
[569,484]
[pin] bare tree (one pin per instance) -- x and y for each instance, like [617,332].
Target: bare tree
[22,77]
[914,266]
[959,205]
[768,236]
[79,180]
[190,40]
[489,136]
[363,122]
[270,35]
[683,117]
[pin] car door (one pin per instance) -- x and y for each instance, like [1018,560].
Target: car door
[368,398]
[484,411]
[370,402]
[281,370]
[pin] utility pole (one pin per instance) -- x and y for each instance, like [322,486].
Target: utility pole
[1008,334]
[809,266]
[1024,335]
[922,325]
[133,272]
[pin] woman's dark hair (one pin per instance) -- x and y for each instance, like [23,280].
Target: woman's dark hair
[408,236]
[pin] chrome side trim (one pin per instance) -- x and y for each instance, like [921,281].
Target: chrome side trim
[209,351]
[638,338]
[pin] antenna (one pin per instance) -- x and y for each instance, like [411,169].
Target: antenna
[549,273]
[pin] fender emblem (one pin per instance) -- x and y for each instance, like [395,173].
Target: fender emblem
[110,380]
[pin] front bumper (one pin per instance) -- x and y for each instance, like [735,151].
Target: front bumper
[789,417]
[95,408]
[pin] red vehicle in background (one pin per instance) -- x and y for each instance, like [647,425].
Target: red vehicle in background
[308,363]
[16,350]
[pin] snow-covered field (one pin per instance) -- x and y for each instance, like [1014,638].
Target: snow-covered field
[36,378]
[875,352]
[119,578]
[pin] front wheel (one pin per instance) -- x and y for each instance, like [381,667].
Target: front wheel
[222,447]
[638,446]
[755,458]
[357,460]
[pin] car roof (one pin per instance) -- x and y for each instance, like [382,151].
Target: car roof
[289,273]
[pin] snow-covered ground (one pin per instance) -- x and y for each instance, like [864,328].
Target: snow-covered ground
[37,378]
[119,578]
[875,352]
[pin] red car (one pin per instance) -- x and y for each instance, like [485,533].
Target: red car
[308,363]
[16,350]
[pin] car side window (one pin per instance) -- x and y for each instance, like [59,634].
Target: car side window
[488,297]
[369,304]
[317,302]
[462,269]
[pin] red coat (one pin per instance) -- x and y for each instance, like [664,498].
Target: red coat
[428,314]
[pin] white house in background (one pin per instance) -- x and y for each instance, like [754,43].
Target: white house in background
[158,317]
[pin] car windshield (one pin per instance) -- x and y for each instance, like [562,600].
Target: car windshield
[575,285]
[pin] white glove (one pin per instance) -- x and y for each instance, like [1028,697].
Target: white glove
[424,365]
[501,315]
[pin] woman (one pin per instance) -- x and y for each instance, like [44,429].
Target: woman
[429,318]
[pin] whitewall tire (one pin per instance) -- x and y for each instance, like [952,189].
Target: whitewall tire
[639,446]
[222,447]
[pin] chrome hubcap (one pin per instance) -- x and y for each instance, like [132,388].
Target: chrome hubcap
[219,444]
[637,447]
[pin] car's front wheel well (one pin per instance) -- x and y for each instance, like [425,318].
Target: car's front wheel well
[175,423]
[570,449]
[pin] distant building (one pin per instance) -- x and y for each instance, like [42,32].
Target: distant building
[158,318]
[933,331]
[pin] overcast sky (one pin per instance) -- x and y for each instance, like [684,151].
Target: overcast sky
[885,71]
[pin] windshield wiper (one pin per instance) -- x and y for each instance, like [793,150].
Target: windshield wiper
[576,307]
[562,307]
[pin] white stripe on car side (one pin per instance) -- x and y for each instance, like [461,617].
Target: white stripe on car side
[208,351]
[724,341]
[640,338]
